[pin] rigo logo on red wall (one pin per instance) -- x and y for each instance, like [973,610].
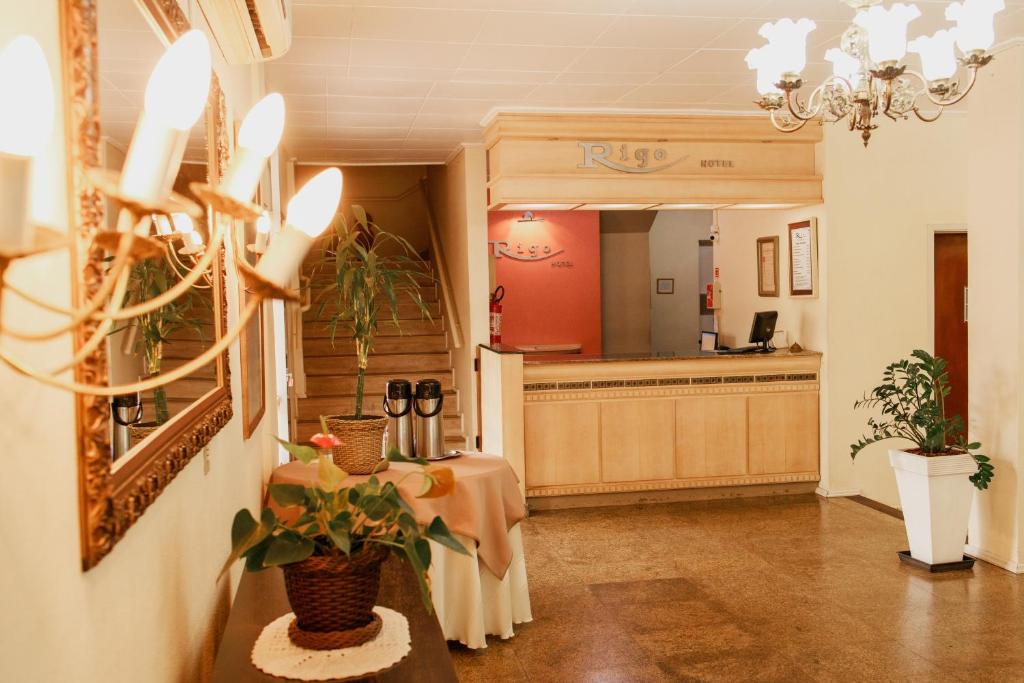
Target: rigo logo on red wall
[529,252]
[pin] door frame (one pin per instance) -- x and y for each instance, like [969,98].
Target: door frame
[932,230]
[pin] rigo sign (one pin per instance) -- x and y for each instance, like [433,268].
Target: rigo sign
[626,158]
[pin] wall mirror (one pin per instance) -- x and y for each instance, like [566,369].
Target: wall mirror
[130,450]
[251,340]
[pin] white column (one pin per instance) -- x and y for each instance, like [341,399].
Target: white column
[996,296]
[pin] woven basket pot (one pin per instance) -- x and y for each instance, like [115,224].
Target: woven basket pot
[333,599]
[140,431]
[362,442]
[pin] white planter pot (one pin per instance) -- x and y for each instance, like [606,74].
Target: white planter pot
[935,493]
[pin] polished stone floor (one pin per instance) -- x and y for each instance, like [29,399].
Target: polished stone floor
[782,589]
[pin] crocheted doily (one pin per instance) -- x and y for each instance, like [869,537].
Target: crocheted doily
[276,655]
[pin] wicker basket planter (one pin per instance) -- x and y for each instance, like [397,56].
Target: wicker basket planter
[138,432]
[362,442]
[333,598]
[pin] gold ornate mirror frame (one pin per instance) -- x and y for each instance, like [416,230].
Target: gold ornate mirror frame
[110,500]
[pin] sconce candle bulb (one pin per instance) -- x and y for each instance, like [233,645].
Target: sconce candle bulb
[262,233]
[257,139]
[309,213]
[176,95]
[26,122]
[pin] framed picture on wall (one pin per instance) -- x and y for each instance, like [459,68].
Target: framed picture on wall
[666,285]
[803,258]
[768,266]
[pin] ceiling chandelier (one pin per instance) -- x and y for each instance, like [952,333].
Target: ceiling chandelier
[153,222]
[869,77]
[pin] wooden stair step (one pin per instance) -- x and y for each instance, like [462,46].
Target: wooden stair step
[313,407]
[406,311]
[341,385]
[307,428]
[387,328]
[422,343]
[379,363]
[401,295]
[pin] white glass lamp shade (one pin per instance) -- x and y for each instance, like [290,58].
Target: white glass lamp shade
[762,60]
[974,23]
[313,207]
[27,108]
[938,60]
[183,223]
[787,44]
[844,66]
[179,86]
[887,30]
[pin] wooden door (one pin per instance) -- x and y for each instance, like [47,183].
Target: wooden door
[951,315]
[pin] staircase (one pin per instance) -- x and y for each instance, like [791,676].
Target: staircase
[416,349]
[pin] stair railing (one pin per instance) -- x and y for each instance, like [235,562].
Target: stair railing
[440,262]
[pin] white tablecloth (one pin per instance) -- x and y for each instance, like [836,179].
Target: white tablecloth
[470,601]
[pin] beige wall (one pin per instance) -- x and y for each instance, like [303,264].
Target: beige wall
[150,610]
[626,281]
[995,184]
[458,191]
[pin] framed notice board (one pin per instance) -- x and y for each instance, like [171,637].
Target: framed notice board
[803,258]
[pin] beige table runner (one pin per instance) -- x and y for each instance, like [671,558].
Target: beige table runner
[486,502]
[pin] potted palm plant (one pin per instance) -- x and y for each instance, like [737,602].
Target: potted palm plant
[935,476]
[330,541]
[370,268]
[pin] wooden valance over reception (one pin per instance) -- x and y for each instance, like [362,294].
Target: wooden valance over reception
[574,160]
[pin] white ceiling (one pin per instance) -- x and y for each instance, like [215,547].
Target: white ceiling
[384,81]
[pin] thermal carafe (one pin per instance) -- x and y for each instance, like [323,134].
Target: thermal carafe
[427,404]
[125,410]
[398,408]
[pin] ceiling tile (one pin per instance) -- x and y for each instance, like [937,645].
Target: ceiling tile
[305,118]
[696,78]
[314,50]
[365,87]
[480,91]
[385,105]
[322,20]
[708,61]
[586,78]
[580,93]
[305,103]
[518,57]
[350,133]
[617,60]
[680,94]
[355,119]
[400,73]
[503,76]
[290,84]
[664,32]
[530,28]
[697,8]
[407,53]
[437,25]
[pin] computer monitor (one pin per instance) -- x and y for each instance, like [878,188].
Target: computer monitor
[763,328]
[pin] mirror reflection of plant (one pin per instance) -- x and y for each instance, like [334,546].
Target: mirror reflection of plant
[331,520]
[912,398]
[368,264]
[151,278]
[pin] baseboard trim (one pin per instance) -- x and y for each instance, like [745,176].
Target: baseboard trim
[875,505]
[825,493]
[537,503]
[992,558]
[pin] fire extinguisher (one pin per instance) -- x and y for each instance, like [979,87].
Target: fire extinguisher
[496,296]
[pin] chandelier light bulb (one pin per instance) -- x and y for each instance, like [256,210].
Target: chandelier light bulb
[26,115]
[178,88]
[974,23]
[309,213]
[845,66]
[887,30]
[262,233]
[787,44]
[762,60]
[26,123]
[938,60]
[257,139]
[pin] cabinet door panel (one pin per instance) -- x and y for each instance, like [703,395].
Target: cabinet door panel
[637,440]
[562,444]
[711,436]
[783,433]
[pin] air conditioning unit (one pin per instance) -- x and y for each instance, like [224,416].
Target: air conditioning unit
[249,31]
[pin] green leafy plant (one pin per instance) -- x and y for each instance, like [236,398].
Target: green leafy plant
[148,279]
[328,519]
[912,401]
[370,268]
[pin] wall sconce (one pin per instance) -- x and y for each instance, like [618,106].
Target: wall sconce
[528,217]
[262,234]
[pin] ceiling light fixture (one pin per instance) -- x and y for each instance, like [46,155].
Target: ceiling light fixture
[869,77]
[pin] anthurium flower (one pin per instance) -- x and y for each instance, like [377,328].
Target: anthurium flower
[325,440]
[441,482]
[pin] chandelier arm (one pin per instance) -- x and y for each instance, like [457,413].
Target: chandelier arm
[792,128]
[177,290]
[973,78]
[924,117]
[794,113]
[180,267]
[118,271]
[205,358]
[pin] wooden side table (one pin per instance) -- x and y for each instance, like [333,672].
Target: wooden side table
[261,599]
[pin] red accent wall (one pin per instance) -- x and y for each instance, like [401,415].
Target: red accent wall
[547,301]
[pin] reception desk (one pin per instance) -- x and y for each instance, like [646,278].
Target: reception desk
[597,425]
